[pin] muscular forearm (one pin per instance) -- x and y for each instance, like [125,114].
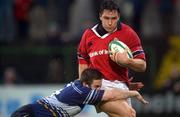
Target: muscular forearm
[82,67]
[118,94]
[123,94]
[138,65]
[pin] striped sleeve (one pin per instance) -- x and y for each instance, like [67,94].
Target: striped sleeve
[94,97]
[135,45]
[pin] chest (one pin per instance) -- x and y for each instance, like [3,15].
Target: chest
[99,44]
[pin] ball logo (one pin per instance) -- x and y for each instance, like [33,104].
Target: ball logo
[118,46]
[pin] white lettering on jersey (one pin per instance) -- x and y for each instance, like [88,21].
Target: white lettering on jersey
[101,52]
[56,92]
[98,53]
[59,91]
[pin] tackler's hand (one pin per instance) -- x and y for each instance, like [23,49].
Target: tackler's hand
[141,99]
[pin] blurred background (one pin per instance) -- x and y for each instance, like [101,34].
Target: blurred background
[39,40]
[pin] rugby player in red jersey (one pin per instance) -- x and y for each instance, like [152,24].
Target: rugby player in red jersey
[93,53]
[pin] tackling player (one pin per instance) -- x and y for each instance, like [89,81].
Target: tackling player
[93,53]
[70,100]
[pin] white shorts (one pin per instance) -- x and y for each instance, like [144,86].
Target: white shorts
[106,84]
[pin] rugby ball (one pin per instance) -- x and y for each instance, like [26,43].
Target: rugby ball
[118,46]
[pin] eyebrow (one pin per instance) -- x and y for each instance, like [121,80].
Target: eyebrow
[110,17]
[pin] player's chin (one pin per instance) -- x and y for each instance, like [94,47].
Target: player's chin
[110,29]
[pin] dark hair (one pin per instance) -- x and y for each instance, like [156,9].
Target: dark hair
[109,5]
[89,74]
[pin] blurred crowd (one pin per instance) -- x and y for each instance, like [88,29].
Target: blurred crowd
[58,22]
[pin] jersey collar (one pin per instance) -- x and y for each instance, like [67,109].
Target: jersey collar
[101,32]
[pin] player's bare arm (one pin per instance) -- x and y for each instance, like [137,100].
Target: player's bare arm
[138,65]
[82,67]
[118,94]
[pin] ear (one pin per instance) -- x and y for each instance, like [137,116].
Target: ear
[87,85]
[84,84]
[100,17]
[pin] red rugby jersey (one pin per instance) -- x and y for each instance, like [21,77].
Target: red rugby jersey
[93,50]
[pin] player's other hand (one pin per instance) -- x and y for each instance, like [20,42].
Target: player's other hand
[135,85]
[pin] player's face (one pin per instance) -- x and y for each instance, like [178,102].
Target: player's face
[96,84]
[109,19]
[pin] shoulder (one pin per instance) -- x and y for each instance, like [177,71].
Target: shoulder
[88,32]
[128,28]
[78,86]
[129,32]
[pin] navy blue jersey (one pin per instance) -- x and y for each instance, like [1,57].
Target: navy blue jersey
[70,100]
[77,94]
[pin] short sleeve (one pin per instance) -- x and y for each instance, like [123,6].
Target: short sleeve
[82,54]
[135,45]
